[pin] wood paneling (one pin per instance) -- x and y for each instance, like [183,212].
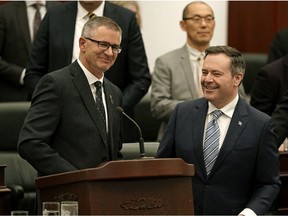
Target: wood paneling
[253,24]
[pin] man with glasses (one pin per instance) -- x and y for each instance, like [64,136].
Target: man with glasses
[62,131]
[56,47]
[176,76]
[65,130]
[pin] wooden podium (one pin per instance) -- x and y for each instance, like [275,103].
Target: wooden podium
[125,187]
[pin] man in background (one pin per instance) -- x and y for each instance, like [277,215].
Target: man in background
[271,83]
[279,46]
[17,32]
[280,119]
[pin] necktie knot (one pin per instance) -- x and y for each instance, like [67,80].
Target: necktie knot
[37,5]
[91,15]
[200,58]
[217,114]
[98,85]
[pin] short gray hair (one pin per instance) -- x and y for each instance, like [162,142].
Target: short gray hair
[98,21]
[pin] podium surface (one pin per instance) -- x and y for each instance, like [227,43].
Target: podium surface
[137,187]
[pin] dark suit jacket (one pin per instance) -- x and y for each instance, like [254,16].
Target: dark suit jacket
[15,43]
[279,46]
[53,49]
[246,172]
[270,84]
[61,131]
[280,119]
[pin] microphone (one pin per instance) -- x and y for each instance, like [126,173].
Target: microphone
[141,140]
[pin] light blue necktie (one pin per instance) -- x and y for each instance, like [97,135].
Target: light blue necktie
[211,142]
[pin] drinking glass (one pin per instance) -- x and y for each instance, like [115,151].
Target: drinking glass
[19,212]
[69,208]
[50,208]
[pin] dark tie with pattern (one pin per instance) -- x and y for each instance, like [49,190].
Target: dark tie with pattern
[211,142]
[37,19]
[100,106]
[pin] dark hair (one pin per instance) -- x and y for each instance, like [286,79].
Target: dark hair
[98,21]
[237,64]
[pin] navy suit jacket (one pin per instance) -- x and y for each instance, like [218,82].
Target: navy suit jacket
[53,49]
[246,172]
[15,44]
[61,132]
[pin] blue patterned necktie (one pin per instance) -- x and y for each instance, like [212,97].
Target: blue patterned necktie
[211,142]
[100,106]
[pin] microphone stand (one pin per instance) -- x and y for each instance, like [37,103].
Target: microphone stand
[141,140]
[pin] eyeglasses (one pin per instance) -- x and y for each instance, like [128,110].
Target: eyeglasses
[105,45]
[198,19]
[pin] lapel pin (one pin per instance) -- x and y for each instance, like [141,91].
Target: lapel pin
[240,123]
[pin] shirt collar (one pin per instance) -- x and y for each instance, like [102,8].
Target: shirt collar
[194,53]
[90,77]
[228,110]
[82,12]
[30,3]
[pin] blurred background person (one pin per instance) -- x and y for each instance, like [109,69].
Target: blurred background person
[19,21]
[56,46]
[280,119]
[271,83]
[133,6]
[176,75]
[279,46]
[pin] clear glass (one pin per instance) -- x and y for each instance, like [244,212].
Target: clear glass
[50,208]
[69,208]
[19,212]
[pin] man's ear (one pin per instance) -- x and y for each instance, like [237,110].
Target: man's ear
[239,78]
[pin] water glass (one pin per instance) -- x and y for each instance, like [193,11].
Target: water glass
[50,208]
[19,212]
[69,208]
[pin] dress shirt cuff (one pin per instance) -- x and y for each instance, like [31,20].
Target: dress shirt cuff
[248,212]
[21,81]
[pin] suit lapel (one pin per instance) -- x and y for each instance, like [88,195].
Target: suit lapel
[236,127]
[187,70]
[111,110]
[199,116]
[23,23]
[68,28]
[84,90]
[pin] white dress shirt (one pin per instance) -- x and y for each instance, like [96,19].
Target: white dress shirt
[81,19]
[91,80]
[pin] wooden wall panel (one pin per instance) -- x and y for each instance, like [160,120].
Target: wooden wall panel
[253,24]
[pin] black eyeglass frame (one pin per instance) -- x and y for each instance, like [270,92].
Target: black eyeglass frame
[198,18]
[105,45]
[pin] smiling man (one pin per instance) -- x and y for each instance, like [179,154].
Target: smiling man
[63,130]
[231,144]
[176,76]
